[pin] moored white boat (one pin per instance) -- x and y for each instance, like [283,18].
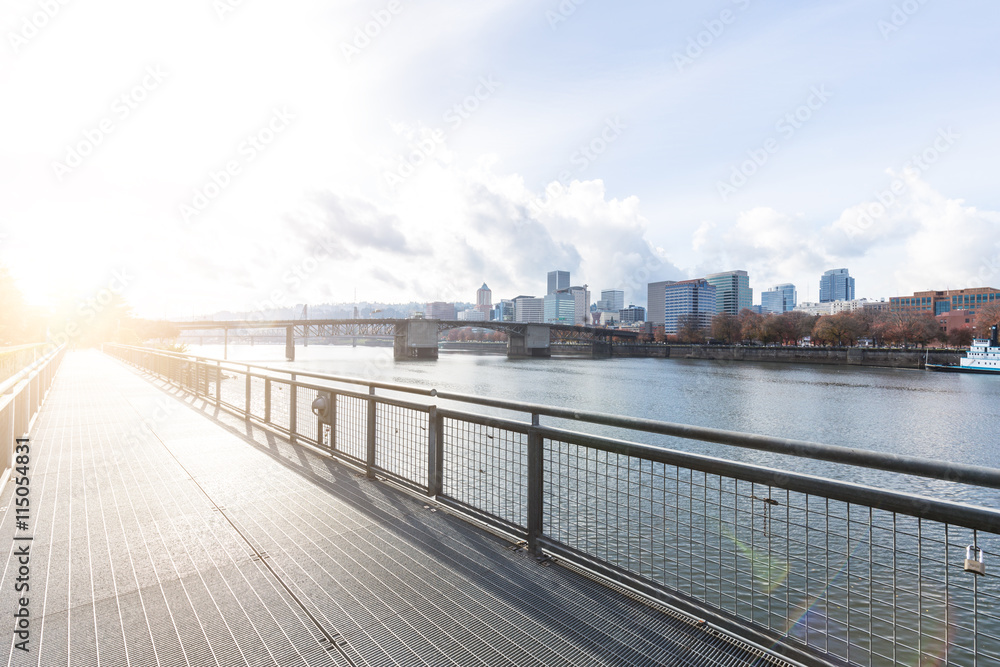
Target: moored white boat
[982,357]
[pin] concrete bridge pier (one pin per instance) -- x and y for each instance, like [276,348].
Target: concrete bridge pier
[533,343]
[416,339]
[290,343]
[601,349]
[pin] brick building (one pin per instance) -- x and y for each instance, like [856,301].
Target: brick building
[952,308]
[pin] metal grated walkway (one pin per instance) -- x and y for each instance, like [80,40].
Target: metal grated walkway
[165,533]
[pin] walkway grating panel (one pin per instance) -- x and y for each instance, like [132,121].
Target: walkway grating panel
[165,533]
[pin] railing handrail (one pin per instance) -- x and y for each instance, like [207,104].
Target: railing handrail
[896,463]
[17,348]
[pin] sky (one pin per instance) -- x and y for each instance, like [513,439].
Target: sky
[204,155]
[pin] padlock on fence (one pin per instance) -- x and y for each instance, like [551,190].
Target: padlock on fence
[974,560]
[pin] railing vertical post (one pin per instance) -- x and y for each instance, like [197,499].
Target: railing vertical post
[218,384]
[293,398]
[319,432]
[246,402]
[267,400]
[535,486]
[333,420]
[435,452]
[370,454]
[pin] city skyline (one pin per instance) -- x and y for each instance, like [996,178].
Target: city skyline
[733,289]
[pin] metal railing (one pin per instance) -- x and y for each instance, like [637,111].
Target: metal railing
[823,571]
[21,396]
[18,357]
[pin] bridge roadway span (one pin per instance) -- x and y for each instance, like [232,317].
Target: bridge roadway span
[418,338]
[167,533]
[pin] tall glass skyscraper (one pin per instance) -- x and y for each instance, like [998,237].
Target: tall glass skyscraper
[732,291]
[836,285]
[558,280]
[779,299]
[612,299]
[559,308]
[689,297]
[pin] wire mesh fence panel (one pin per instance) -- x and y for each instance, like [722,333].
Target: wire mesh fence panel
[486,468]
[211,376]
[187,375]
[15,359]
[401,442]
[351,425]
[233,389]
[280,403]
[305,419]
[257,396]
[868,586]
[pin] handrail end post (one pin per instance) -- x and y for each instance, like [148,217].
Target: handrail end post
[536,477]
[370,449]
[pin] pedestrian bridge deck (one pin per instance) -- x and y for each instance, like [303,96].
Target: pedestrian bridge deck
[166,532]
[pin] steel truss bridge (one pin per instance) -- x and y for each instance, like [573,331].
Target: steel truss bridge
[415,338]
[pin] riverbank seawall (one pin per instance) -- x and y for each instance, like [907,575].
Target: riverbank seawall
[834,356]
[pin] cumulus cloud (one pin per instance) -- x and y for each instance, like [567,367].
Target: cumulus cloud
[360,223]
[770,245]
[932,241]
[929,240]
[447,230]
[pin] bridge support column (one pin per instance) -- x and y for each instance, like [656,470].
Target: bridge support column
[290,343]
[601,349]
[416,339]
[533,343]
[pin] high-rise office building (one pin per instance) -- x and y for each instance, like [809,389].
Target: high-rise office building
[581,305]
[503,311]
[528,309]
[778,299]
[732,291]
[613,299]
[655,296]
[484,301]
[558,280]
[439,310]
[836,285]
[560,308]
[697,298]
[484,296]
[632,314]
[568,306]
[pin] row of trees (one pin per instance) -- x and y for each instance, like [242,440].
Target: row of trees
[882,328]
[77,321]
